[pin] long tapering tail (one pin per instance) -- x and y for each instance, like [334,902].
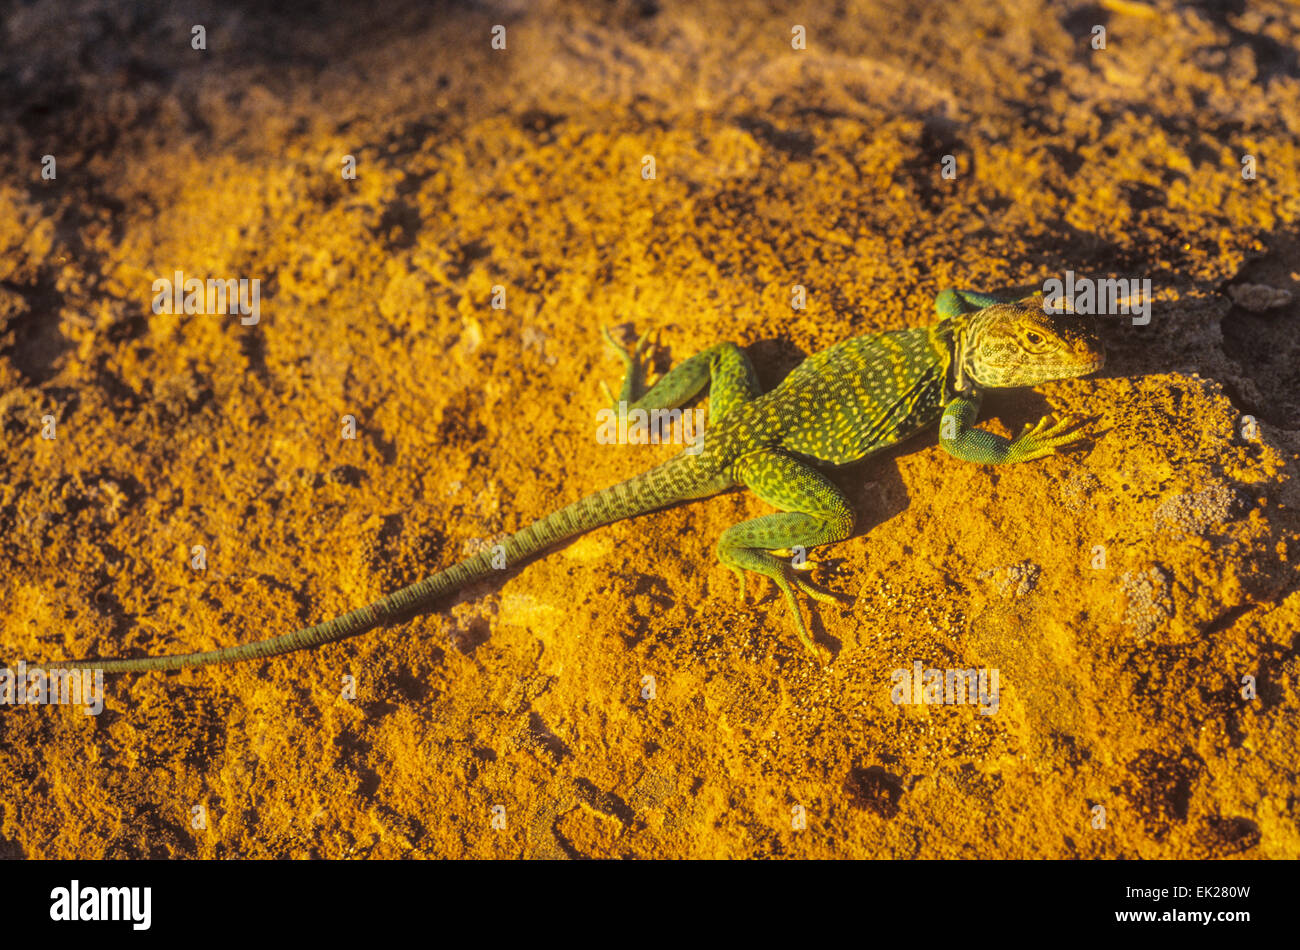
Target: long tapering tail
[677,479]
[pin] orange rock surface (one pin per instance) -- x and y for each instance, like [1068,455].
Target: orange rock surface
[1121,681]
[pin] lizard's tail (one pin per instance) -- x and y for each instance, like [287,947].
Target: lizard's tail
[675,480]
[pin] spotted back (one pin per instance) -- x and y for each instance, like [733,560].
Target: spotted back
[858,397]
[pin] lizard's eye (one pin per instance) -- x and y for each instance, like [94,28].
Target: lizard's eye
[1033,338]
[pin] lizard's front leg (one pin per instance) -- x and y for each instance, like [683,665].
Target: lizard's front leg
[813,512]
[959,437]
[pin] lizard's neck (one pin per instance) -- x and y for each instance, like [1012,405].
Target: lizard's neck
[949,338]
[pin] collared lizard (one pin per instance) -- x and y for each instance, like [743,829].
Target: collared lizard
[840,405]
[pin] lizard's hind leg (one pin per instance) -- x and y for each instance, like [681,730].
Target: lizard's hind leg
[813,512]
[724,368]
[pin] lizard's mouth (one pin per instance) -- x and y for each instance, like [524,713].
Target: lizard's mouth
[1073,368]
[1083,369]
[1085,360]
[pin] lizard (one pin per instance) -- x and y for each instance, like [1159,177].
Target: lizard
[840,405]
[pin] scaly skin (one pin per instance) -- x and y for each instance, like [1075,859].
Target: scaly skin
[840,405]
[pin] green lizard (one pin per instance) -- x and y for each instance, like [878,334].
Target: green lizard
[838,406]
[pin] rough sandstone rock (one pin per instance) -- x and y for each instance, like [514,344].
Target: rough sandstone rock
[1122,591]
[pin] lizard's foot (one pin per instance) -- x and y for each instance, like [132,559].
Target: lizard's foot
[824,596]
[1045,437]
[782,574]
[802,563]
[635,367]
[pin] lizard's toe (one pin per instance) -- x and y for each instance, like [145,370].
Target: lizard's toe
[636,366]
[825,597]
[740,584]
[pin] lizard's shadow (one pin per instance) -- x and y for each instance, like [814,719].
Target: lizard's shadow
[877,492]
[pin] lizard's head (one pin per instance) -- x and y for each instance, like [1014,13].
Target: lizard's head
[1019,344]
